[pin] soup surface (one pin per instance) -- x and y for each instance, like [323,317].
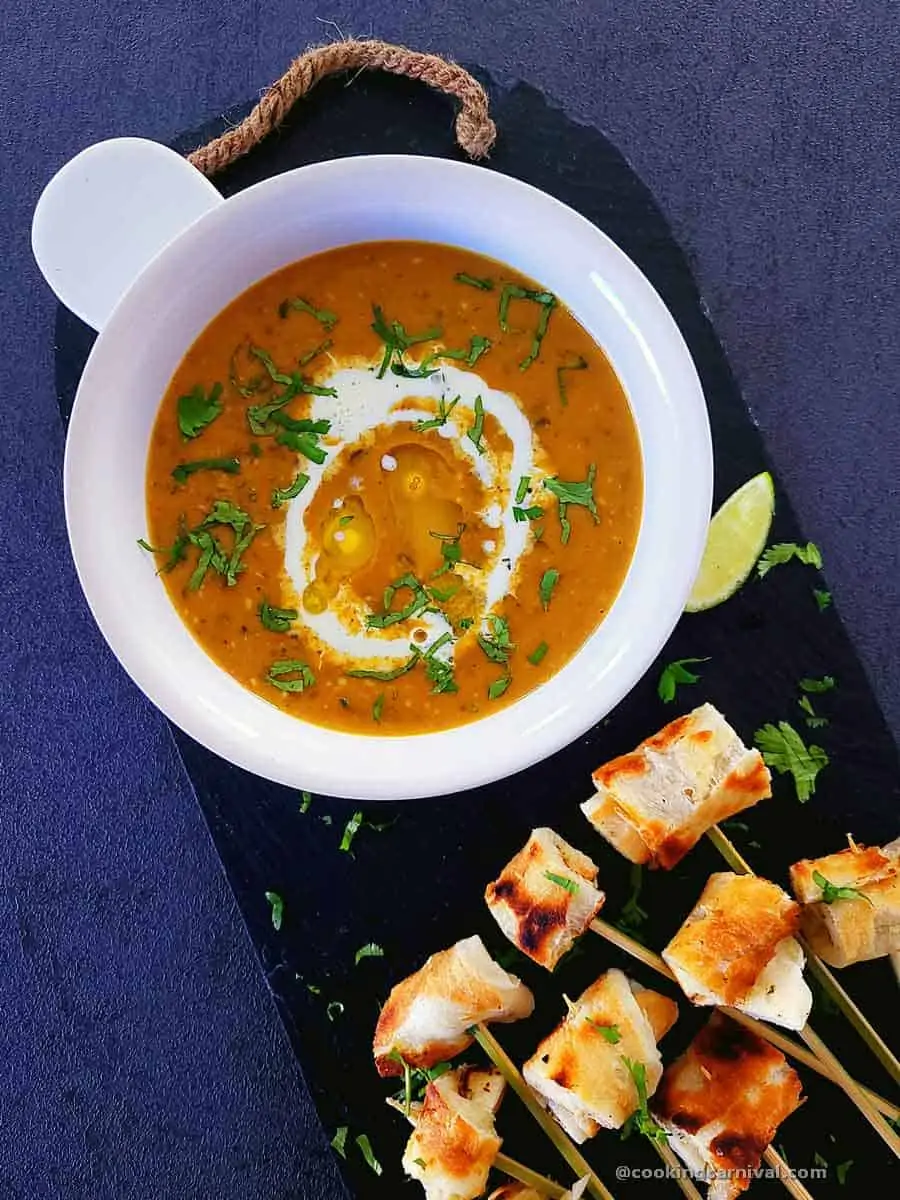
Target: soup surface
[392,488]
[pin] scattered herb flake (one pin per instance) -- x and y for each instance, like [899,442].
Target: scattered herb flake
[324,316]
[451,550]
[369,950]
[640,1120]
[282,495]
[305,801]
[196,410]
[536,657]
[785,751]
[277,905]
[817,686]
[832,892]
[496,644]
[419,601]
[579,493]
[174,553]
[549,580]
[545,300]
[476,432]
[632,917]
[532,513]
[302,676]
[841,1170]
[675,673]
[389,675]
[522,489]
[303,443]
[365,1149]
[278,620]
[378,708]
[444,411]
[181,473]
[783,552]
[609,1032]
[576,364]
[484,285]
[498,687]
[351,829]
[823,598]
[305,359]
[396,340]
[561,881]
[339,1141]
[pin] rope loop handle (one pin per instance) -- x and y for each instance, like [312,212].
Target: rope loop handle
[475,131]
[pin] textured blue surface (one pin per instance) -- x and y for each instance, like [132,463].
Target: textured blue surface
[140,1052]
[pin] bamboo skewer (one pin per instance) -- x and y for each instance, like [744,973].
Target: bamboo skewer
[854,1015]
[554,1132]
[677,1171]
[785,1044]
[785,1175]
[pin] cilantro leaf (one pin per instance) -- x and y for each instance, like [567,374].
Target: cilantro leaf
[351,829]
[523,488]
[277,906]
[496,645]
[498,687]
[674,674]
[823,598]
[545,300]
[369,950]
[278,620]
[610,1032]
[396,340]
[365,1149]
[562,881]
[196,410]
[784,751]
[174,553]
[814,686]
[324,316]
[640,1120]
[783,552]
[444,411]
[419,601]
[549,580]
[484,285]
[580,493]
[537,655]
[339,1141]
[389,675]
[282,495]
[301,676]
[378,708]
[231,466]
[305,801]
[475,433]
[831,892]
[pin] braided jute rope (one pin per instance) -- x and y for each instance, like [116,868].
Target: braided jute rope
[475,131]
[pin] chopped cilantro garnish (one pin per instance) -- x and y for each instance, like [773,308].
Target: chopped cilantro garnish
[498,687]
[365,1149]
[324,316]
[378,708]
[282,495]
[396,339]
[475,432]
[632,917]
[817,686]
[783,552]
[174,553]
[580,493]
[832,892]
[546,301]
[303,443]
[640,1120]
[231,466]
[784,751]
[609,1032]
[496,644]
[196,410]
[305,801]
[438,670]
[369,950]
[279,620]
[339,1141]
[561,881]
[841,1170]
[301,675]
[305,359]
[532,513]
[537,655]
[549,580]
[351,829]
[277,905]
[522,489]
[484,285]
[813,720]
[212,555]
[419,601]
[444,411]
[823,598]
[386,676]
[675,673]
[577,364]
[470,355]
[451,550]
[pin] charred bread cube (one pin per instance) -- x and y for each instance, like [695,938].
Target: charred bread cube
[722,1101]
[454,1144]
[427,1015]
[545,897]
[851,929]
[655,803]
[736,949]
[580,1071]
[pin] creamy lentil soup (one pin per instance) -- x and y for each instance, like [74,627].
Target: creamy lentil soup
[393,487]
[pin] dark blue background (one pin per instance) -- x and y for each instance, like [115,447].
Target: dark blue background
[140,1053]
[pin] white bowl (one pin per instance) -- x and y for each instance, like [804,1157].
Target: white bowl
[287,218]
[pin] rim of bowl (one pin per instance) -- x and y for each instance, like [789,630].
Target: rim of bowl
[236,723]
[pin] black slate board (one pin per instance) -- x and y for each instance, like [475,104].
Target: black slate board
[417,886]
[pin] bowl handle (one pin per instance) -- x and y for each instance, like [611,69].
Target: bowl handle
[107,213]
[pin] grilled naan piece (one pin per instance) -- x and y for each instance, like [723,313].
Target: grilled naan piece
[722,1101]
[655,803]
[737,949]
[854,929]
[579,1072]
[454,1144]
[540,915]
[427,1015]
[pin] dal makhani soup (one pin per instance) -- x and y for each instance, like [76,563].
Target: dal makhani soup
[394,487]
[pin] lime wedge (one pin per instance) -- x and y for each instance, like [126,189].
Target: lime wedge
[737,535]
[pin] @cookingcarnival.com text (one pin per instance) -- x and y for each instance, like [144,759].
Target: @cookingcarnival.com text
[710,1174]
